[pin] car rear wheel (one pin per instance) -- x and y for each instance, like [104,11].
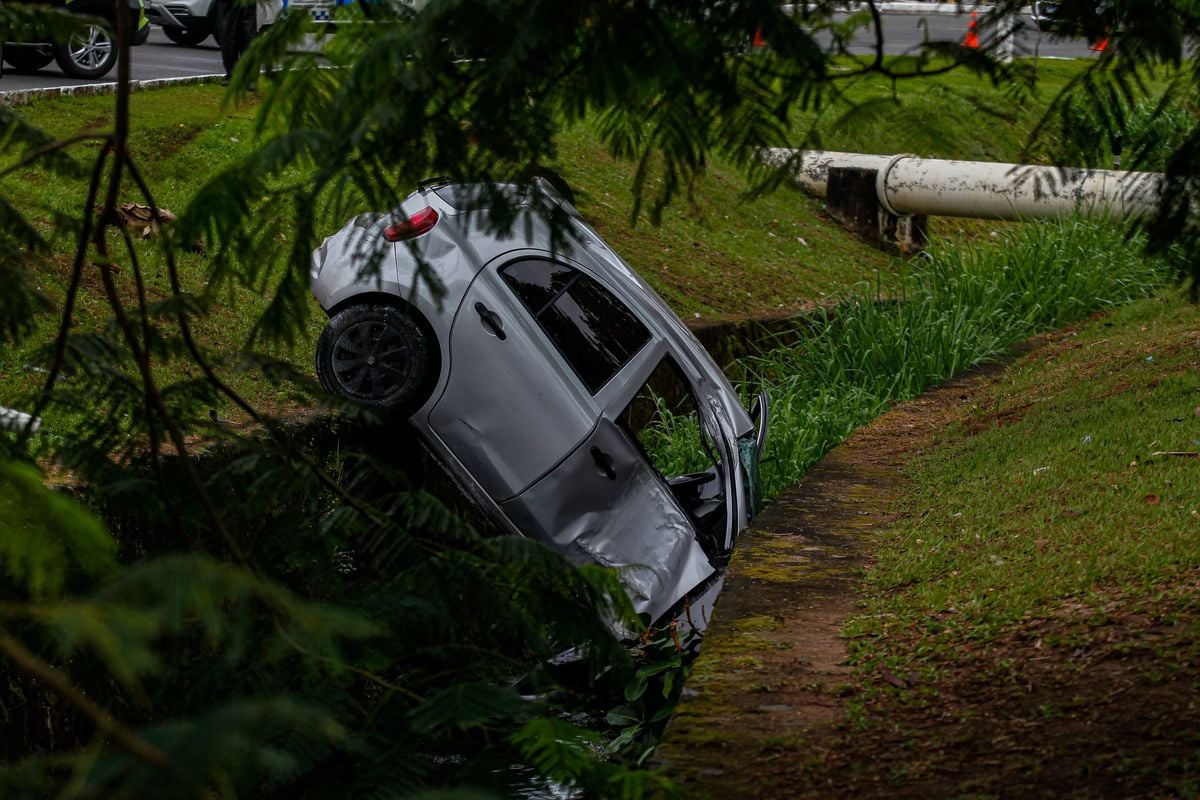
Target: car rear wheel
[188,37]
[23,60]
[377,354]
[88,54]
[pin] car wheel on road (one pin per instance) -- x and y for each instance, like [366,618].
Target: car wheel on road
[88,54]
[23,60]
[188,37]
[378,354]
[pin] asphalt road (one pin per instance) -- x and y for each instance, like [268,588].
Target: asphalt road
[157,58]
[905,33]
[160,58]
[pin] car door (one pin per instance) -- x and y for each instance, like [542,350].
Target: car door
[510,410]
[605,502]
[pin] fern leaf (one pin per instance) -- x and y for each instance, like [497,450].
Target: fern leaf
[464,706]
[43,533]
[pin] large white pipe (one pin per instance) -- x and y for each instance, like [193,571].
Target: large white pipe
[810,168]
[910,185]
[13,420]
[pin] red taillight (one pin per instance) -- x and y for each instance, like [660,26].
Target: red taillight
[420,222]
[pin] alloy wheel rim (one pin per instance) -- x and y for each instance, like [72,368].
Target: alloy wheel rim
[91,49]
[371,360]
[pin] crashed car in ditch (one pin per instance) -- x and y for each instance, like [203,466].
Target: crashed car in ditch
[534,362]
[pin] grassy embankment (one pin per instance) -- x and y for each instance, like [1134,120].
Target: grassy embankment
[957,308]
[1032,619]
[719,255]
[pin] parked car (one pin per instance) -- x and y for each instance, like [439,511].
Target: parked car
[190,22]
[91,53]
[1043,14]
[533,375]
[185,22]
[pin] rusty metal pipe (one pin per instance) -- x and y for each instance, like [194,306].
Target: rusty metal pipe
[984,190]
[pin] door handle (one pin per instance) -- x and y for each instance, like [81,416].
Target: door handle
[491,320]
[605,463]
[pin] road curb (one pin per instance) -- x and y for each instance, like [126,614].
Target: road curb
[921,7]
[20,97]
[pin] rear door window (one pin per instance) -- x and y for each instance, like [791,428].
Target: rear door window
[593,330]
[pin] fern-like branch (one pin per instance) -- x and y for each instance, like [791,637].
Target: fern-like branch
[58,683]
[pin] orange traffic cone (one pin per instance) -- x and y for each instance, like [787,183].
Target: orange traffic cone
[972,38]
[759,41]
[1100,46]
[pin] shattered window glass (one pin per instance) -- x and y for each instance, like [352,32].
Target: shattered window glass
[664,420]
[594,331]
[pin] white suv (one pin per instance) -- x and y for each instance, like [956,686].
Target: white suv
[190,22]
[186,22]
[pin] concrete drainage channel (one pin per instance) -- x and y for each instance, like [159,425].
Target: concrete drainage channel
[774,660]
[772,655]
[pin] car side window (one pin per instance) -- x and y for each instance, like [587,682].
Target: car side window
[665,421]
[593,330]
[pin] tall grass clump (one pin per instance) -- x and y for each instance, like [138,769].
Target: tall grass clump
[958,306]
[1091,131]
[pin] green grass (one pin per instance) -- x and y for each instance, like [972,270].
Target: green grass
[716,254]
[1039,586]
[958,306]
[1052,480]
[962,116]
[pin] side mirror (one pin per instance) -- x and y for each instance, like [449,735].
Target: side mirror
[760,413]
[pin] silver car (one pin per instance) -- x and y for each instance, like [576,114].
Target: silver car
[534,362]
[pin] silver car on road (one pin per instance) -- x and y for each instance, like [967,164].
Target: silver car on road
[534,361]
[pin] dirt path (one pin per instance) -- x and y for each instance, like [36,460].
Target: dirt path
[773,670]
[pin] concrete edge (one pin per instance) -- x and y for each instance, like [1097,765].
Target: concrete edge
[919,7]
[20,97]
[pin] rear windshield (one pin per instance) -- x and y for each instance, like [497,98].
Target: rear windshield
[479,196]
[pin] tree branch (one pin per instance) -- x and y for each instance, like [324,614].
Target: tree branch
[58,683]
[64,325]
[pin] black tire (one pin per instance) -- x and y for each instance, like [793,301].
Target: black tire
[88,54]
[377,354]
[188,37]
[23,60]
